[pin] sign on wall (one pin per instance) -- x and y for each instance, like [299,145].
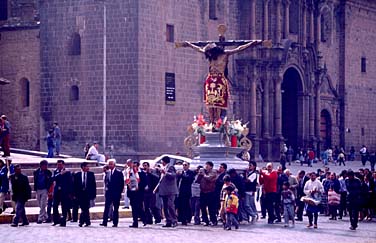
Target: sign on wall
[170,88]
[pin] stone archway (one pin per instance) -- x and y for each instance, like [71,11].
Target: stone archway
[292,106]
[325,129]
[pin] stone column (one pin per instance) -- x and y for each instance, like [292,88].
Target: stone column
[278,33]
[311,116]
[265,108]
[278,107]
[286,23]
[311,25]
[318,29]
[253,107]
[265,35]
[252,25]
[318,112]
[304,23]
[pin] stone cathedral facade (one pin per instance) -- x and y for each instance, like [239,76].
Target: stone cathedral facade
[101,69]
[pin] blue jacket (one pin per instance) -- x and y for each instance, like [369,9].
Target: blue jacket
[4,183]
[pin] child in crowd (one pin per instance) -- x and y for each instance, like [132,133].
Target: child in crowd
[222,211]
[232,205]
[288,200]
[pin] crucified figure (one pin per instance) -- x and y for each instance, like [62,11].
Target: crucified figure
[216,90]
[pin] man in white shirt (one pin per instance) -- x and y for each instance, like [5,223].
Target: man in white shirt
[363,154]
[93,153]
[313,189]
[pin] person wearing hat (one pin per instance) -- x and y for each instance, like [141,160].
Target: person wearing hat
[93,153]
[5,135]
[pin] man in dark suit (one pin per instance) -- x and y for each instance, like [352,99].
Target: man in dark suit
[21,193]
[85,190]
[114,186]
[135,181]
[185,180]
[302,179]
[62,193]
[150,199]
[168,190]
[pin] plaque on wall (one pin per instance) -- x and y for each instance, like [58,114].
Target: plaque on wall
[170,88]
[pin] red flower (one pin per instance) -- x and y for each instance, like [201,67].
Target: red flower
[218,124]
[200,120]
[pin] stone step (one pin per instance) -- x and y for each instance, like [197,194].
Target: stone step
[32,214]
[100,191]
[94,168]
[99,183]
[98,177]
[32,164]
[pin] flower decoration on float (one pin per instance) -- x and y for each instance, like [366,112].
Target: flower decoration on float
[200,126]
[236,128]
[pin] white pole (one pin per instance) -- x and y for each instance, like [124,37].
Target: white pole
[104,75]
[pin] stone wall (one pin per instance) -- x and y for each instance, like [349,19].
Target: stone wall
[360,86]
[19,61]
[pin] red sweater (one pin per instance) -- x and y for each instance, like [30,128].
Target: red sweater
[270,181]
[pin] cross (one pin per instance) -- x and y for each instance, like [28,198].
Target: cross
[222,40]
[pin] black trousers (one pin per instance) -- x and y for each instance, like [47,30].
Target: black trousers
[207,202]
[263,205]
[270,199]
[84,203]
[151,209]
[64,200]
[312,217]
[136,201]
[184,209]
[110,199]
[299,213]
[75,207]
[342,205]
[354,214]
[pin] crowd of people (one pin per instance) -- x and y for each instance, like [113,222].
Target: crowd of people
[203,196]
[336,156]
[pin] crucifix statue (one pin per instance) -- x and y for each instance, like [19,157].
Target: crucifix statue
[216,89]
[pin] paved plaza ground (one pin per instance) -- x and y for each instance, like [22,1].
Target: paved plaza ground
[328,231]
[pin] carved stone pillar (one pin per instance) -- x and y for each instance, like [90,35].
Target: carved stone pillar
[253,20]
[318,29]
[278,33]
[265,35]
[265,109]
[253,106]
[311,25]
[318,112]
[304,23]
[311,116]
[278,107]
[286,22]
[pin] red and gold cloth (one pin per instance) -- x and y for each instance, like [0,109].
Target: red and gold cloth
[216,91]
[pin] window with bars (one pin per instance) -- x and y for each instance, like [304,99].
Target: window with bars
[213,9]
[363,64]
[170,33]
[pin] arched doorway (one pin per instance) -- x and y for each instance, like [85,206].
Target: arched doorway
[291,86]
[325,129]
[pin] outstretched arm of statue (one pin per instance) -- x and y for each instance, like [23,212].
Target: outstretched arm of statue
[188,44]
[249,44]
